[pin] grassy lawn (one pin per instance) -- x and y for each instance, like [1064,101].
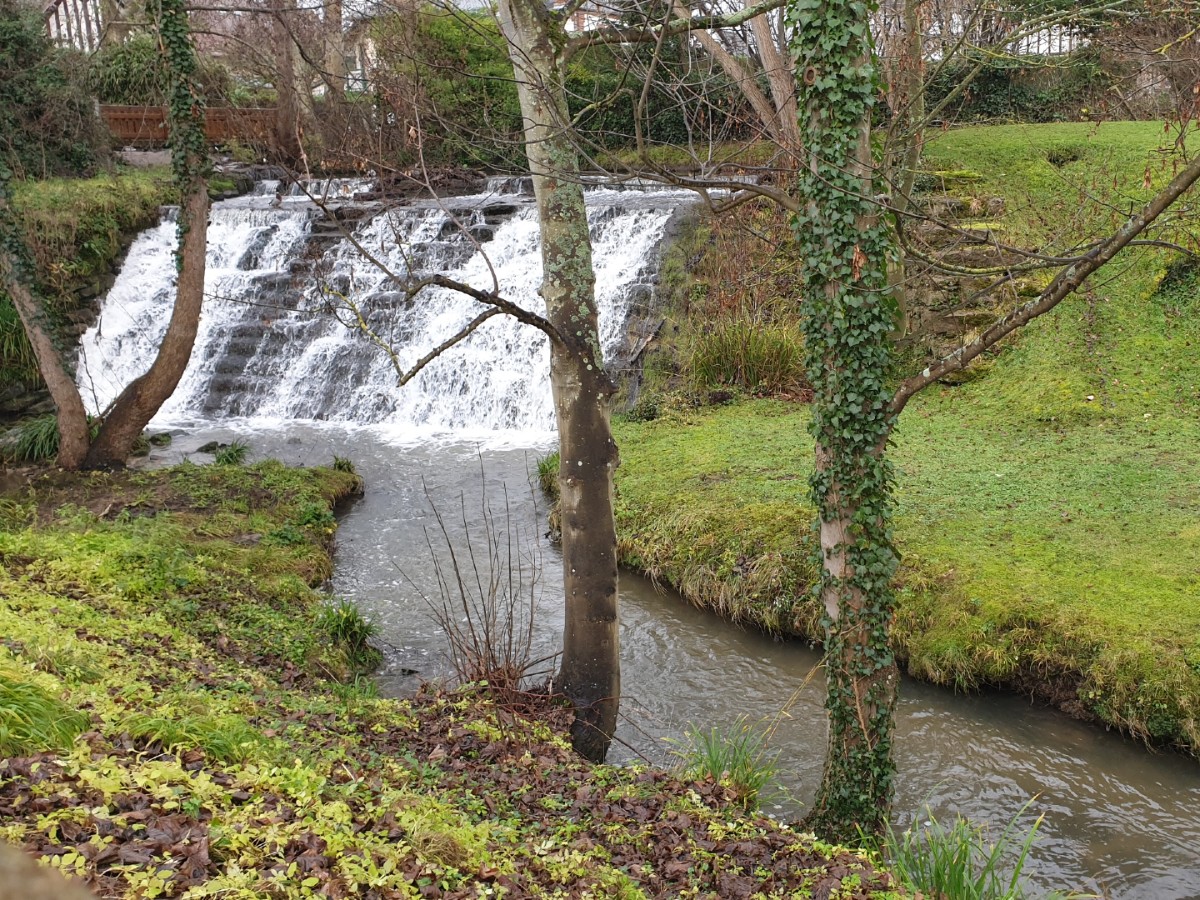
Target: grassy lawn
[1048,508]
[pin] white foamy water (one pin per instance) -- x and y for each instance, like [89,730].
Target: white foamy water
[279,337]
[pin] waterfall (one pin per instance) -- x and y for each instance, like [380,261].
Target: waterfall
[286,281]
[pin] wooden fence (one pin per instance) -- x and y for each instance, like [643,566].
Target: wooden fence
[146,126]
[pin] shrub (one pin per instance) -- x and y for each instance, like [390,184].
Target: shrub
[132,73]
[47,117]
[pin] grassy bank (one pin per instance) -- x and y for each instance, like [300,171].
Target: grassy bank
[178,718]
[76,230]
[1047,507]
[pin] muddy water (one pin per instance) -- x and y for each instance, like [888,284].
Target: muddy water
[1118,820]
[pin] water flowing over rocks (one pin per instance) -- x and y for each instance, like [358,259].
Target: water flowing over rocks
[296,270]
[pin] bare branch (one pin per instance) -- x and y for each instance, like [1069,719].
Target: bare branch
[643,35]
[463,333]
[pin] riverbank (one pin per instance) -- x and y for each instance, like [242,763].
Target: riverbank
[181,719]
[1047,506]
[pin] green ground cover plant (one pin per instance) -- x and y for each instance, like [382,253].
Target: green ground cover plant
[211,740]
[1047,507]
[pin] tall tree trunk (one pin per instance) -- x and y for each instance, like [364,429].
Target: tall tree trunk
[287,107]
[335,51]
[779,68]
[15,278]
[137,404]
[582,388]
[845,245]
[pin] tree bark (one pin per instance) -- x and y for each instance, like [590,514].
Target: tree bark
[582,388]
[142,398]
[137,404]
[780,70]
[335,52]
[287,108]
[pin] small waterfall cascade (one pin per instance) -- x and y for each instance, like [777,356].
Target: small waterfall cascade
[290,282]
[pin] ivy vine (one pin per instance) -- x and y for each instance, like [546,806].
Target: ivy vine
[844,239]
[185,107]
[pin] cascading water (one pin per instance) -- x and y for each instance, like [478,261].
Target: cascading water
[286,288]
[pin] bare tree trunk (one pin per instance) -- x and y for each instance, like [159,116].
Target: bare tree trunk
[905,142]
[780,70]
[335,51]
[114,23]
[583,390]
[739,73]
[72,417]
[287,107]
[137,404]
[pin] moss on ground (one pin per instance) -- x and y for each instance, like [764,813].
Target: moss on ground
[212,741]
[1047,508]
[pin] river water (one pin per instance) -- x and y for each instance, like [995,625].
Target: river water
[275,368]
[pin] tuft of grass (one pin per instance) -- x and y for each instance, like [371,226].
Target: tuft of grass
[233,455]
[37,440]
[759,358]
[32,720]
[343,464]
[348,629]
[959,862]
[226,738]
[738,755]
[547,473]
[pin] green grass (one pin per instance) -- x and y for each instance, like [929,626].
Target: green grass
[959,862]
[1047,509]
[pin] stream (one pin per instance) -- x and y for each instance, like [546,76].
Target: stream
[274,368]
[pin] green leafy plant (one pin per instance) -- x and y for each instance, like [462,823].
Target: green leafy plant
[342,464]
[958,861]
[351,631]
[233,455]
[738,755]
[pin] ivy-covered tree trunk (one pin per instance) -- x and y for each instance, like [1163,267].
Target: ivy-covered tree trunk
[137,404]
[582,388]
[848,315]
